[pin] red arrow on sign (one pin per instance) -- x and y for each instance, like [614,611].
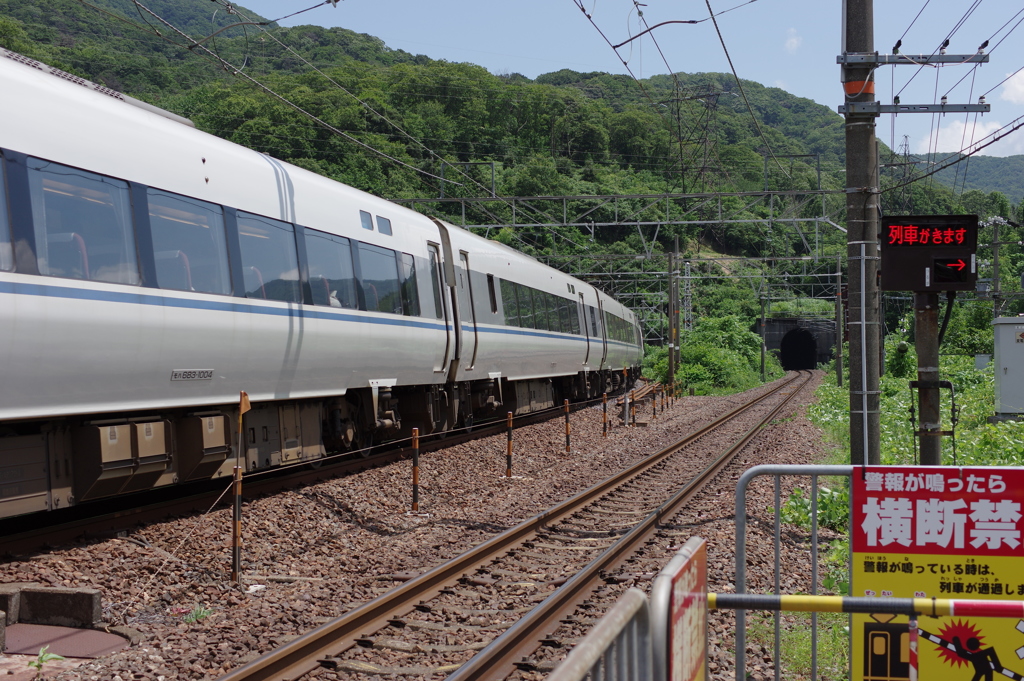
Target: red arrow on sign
[959,264]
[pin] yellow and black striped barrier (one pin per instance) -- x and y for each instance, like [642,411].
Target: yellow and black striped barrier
[934,607]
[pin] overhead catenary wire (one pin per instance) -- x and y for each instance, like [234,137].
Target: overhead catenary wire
[369,108]
[590,18]
[948,37]
[679,90]
[230,68]
[333,82]
[967,145]
[740,86]
[991,50]
[227,66]
[996,135]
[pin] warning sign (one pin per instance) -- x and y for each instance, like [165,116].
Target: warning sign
[938,532]
[688,612]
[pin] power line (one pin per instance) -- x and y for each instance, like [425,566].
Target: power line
[230,68]
[740,86]
[1009,128]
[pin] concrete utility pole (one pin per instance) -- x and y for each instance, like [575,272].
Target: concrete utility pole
[862,194]
[926,343]
[839,323]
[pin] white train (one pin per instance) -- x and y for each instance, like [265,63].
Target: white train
[149,272]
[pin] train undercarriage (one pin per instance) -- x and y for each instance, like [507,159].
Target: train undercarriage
[52,464]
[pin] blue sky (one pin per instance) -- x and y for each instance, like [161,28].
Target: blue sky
[791,44]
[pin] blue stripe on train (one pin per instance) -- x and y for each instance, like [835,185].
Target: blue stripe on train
[293,309]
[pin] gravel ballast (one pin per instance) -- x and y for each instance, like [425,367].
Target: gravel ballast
[313,553]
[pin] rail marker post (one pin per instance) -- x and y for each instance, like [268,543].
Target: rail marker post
[415,470]
[236,526]
[508,453]
[604,415]
[654,407]
[632,408]
[566,403]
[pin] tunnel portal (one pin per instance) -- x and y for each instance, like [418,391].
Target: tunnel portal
[798,350]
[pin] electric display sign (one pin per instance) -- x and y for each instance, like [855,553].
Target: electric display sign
[926,253]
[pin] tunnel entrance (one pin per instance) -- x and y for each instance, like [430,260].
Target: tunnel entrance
[798,350]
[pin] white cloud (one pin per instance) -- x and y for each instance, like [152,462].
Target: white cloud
[793,41]
[951,138]
[1013,89]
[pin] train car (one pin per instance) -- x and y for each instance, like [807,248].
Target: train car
[149,272]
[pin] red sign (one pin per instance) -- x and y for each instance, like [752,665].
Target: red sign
[915,235]
[688,612]
[939,510]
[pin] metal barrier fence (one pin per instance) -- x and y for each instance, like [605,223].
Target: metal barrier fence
[617,649]
[777,472]
[892,507]
[594,659]
[631,642]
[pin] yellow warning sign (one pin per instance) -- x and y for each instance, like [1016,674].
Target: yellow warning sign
[938,533]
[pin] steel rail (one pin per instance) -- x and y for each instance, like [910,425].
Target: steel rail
[302,655]
[499,658]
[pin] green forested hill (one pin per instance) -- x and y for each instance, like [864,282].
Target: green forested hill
[988,174]
[565,133]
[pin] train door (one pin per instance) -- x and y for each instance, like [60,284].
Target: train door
[450,291]
[604,333]
[887,655]
[441,311]
[581,311]
[465,287]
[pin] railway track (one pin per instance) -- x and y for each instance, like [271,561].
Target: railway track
[485,614]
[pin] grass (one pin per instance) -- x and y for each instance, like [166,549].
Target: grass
[795,641]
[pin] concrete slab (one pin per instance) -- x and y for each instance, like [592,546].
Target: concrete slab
[29,639]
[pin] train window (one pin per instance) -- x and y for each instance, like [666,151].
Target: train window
[563,314]
[540,309]
[575,308]
[270,267]
[331,276]
[189,244]
[435,280]
[595,332]
[509,304]
[366,219]
[379,279]
[550,311]
[492,294]
[410,292]
[83,224]
[383,225]
[6,252]
[525,306]
[554,320]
